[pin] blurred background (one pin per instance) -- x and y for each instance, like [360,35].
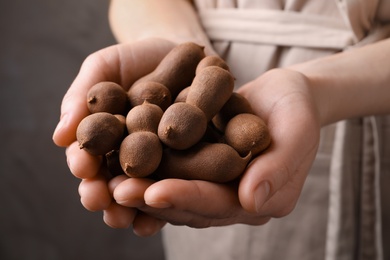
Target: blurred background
[43,43]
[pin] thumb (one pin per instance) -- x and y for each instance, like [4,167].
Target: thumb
[73,110]
[95,68]
[273,181]
[263,178]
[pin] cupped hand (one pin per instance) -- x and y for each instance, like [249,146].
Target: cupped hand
[123,64]
[286,100]
[193,203]
[271,185]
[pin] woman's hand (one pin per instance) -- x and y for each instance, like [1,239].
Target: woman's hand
[123,64]
[273,181]
[271,185]
[294,102]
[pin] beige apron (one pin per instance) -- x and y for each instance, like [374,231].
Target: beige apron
[342,213]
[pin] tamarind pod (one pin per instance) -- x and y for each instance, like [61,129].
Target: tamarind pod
[210,90]
[215,162]
[177,69]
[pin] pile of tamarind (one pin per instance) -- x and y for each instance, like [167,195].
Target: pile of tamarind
[183,120]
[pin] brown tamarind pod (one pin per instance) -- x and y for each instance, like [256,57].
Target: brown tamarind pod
[212,60]
[182,96]
[177,69]
[247,133]
[182,125]
[144,117]
[107,97]
[100,133]
[140,154]
[152,92]
[210,90]
[237,104]
[141,151]
[215,162]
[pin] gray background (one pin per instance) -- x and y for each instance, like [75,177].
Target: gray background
[43,43]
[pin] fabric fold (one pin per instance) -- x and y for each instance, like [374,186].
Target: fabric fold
[354,229]
[275,27]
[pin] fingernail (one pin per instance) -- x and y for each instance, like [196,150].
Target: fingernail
[261,195]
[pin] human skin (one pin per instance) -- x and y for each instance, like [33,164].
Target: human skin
[295,102]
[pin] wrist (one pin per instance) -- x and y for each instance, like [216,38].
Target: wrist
[322,99]
[136,20]
[332,103]
[351,84]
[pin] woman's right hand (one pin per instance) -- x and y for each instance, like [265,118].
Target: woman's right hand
[123,64]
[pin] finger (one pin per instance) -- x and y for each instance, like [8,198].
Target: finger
[82,164]
[117,216]
[114,182]
[196,196]
[94,193]
[182,217]
[145,225]
[130,192]
[193,203]
[122,64]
